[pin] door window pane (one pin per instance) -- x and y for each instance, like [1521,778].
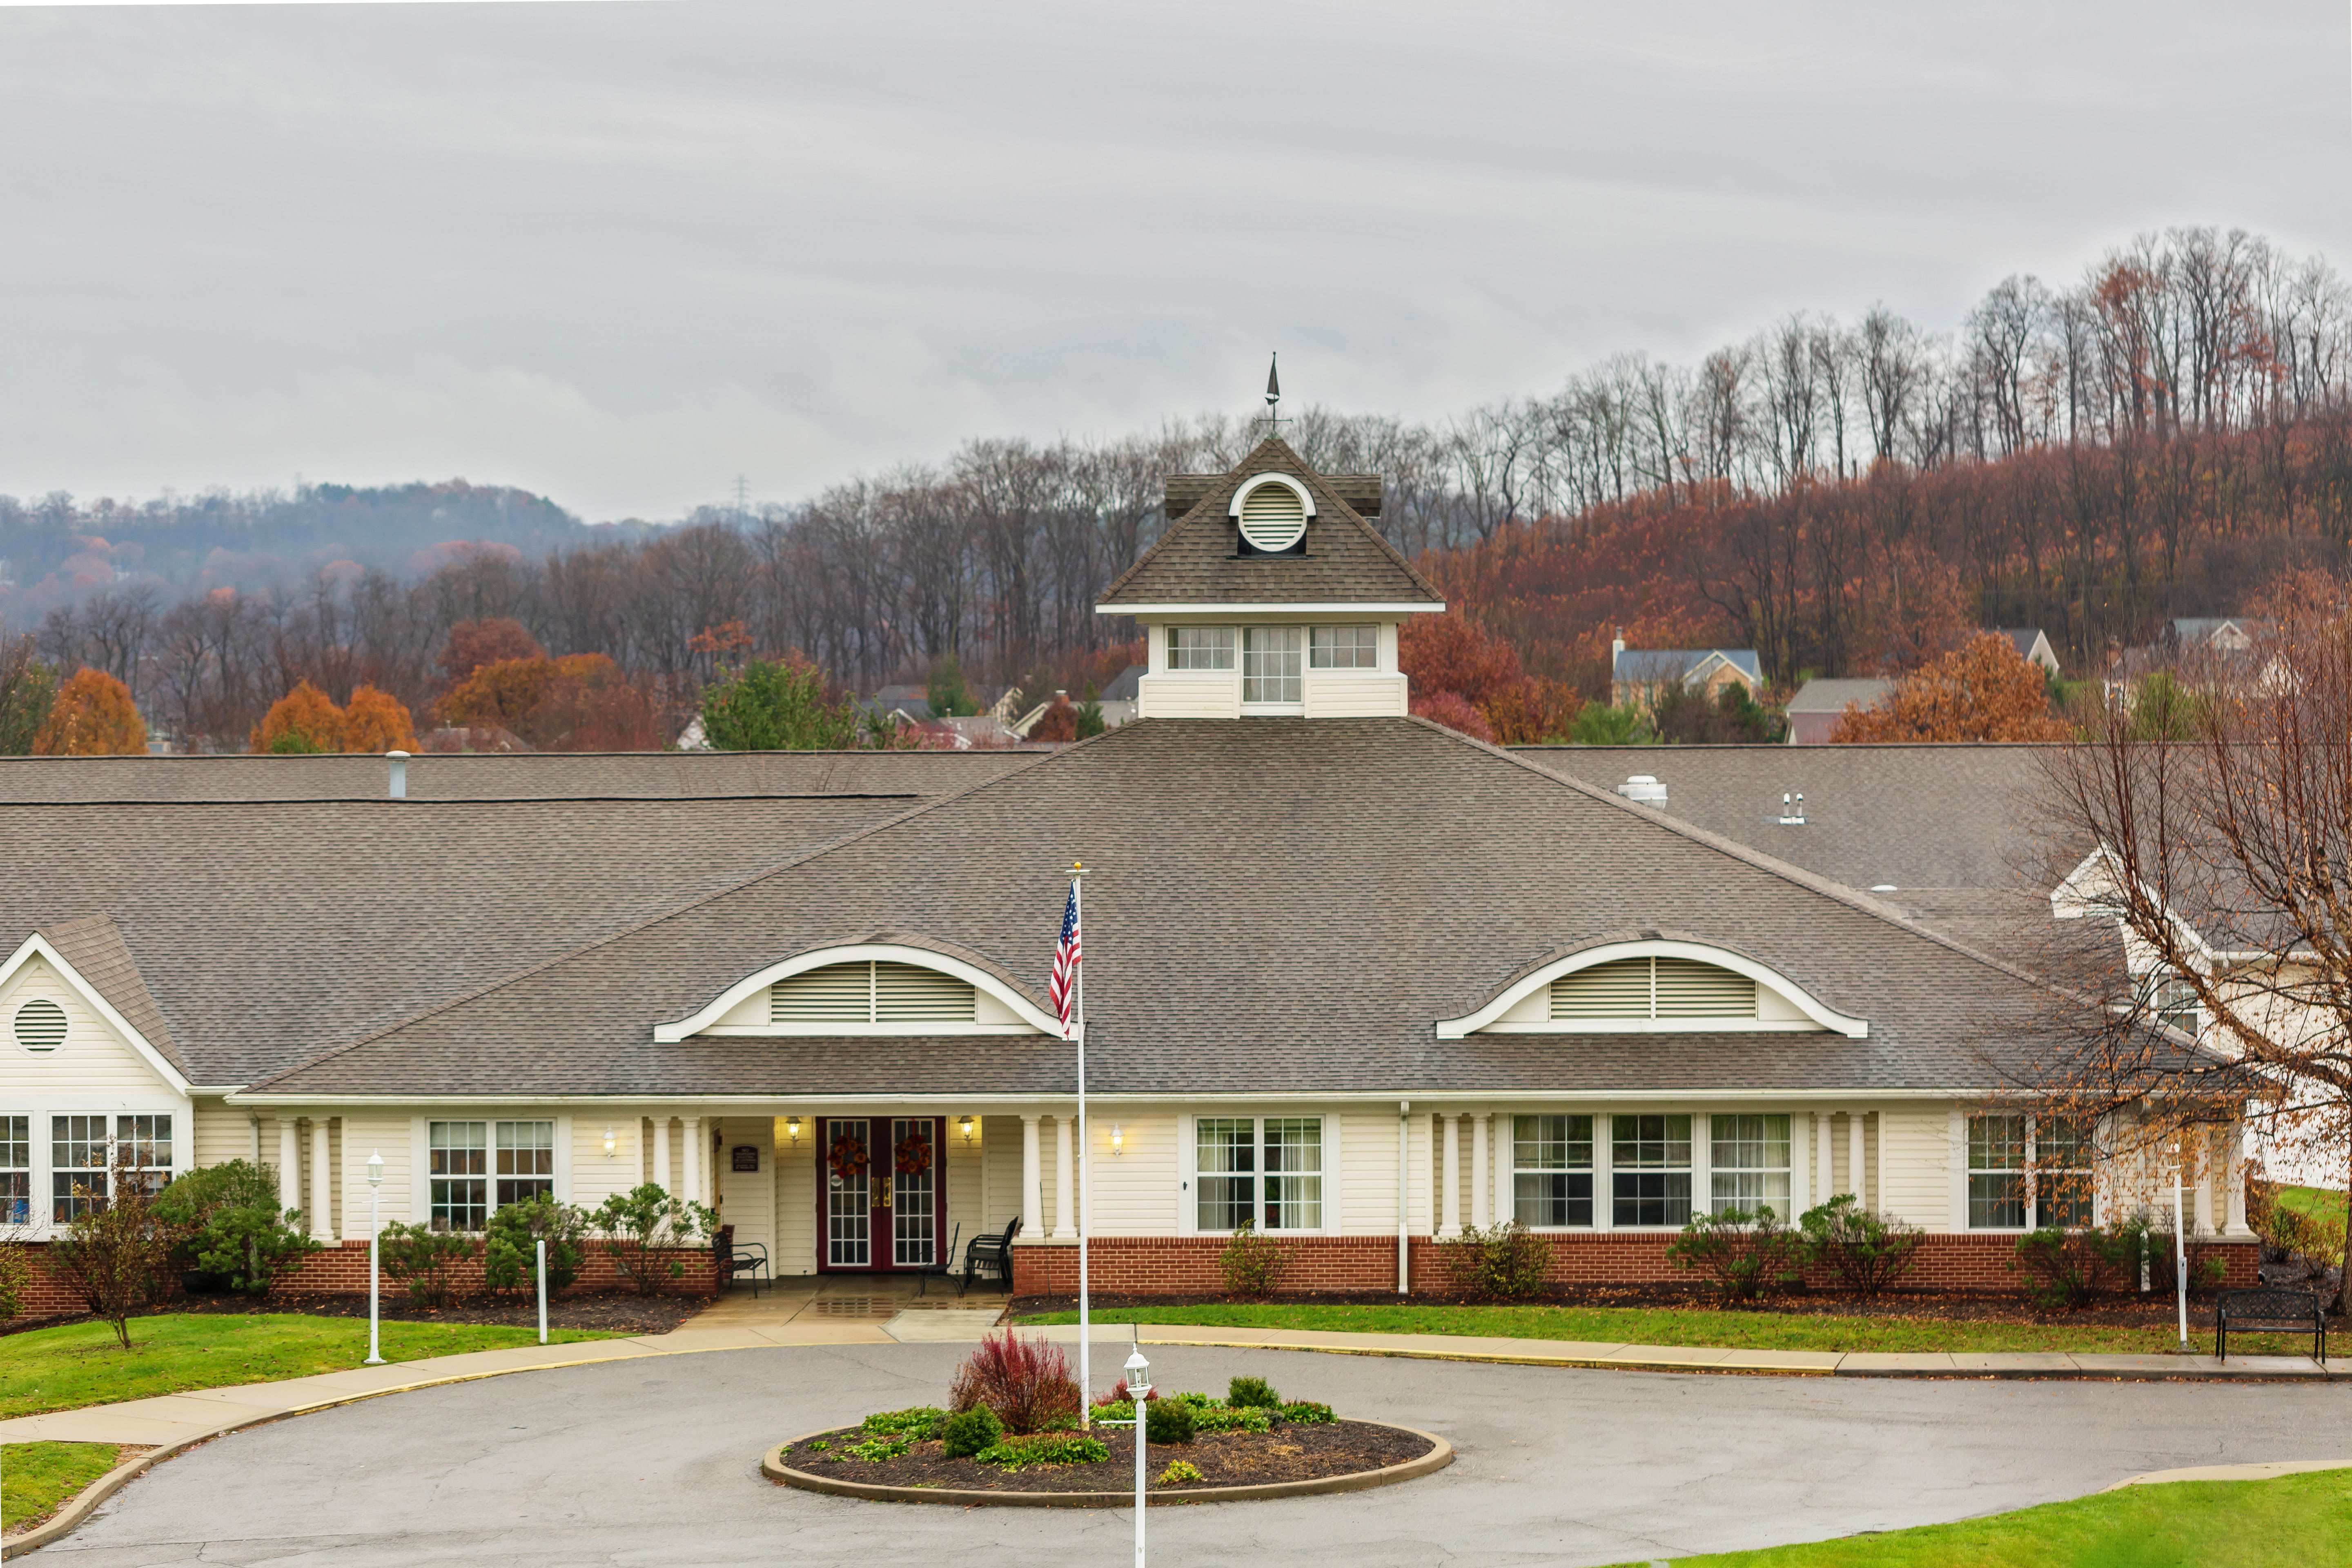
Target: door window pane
[1650,1178]
[848,1199]
[1996,1172]
[1552,1170]
[77,1166]
[457,1174]
[1271,657]
[1748,1163]
[1294,1172]
[913,1218]
[526,1162]
[1225,1164]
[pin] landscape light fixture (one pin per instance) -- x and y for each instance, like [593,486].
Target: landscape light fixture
[1138,1389]
[375,1254]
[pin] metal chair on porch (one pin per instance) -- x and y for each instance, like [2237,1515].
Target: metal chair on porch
[991,1252]
[747,1259]
[938,1267]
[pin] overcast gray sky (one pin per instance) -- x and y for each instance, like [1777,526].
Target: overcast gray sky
[618,253]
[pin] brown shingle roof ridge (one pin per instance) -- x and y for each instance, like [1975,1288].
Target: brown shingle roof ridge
[1775,747]
[93,944]
[412,802]
[1798,874]
[1273,447]
[584,948]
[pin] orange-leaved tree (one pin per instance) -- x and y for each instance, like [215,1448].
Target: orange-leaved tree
[580,700]
[1447,655]
[377,720]
[92,717]
[473,644]
[1985,690]
[305,720]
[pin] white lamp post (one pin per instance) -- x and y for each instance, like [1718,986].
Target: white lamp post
[2179,1244]
[1138,1391]
[375,1186]
[538,1257]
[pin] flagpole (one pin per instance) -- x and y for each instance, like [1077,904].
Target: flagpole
[1086,1171]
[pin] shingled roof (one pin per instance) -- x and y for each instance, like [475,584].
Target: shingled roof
[1277,907]
[1195,562]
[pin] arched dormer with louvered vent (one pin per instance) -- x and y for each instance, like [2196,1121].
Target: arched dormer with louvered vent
[1270,512]
[1653,987]
[866,988]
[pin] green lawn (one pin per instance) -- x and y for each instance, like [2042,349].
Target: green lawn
[66,1368]
[2289,1522]
[2317,1202]
[1680,1326]
[36,1477]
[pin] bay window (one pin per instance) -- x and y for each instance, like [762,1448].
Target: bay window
[1266,1172]
[1650,1175]
[1748,1163]
[1552,1170]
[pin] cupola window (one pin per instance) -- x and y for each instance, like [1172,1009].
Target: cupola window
[1344,647]
[1271,660]
[1200,648]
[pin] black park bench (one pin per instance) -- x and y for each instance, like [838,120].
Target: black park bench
[2271,1310]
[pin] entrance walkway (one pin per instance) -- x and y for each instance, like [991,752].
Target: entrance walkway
[846,1298]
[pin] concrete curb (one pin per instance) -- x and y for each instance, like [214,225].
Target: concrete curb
[77,1507]
[2256,1472]
[1441,1454]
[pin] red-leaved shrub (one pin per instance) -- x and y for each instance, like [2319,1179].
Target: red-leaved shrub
[1026,1382]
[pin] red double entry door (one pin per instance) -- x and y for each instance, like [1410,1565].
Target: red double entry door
[881,1194]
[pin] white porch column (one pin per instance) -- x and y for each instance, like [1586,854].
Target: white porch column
[1065,1211]
[290,1163]
[1032,1179]
[660,1177]
[1447,1128]
[322,1180]
[1825,1182]
[1507,1199]
[1855,1171]
[2201,1169]
[2233,1173]
[692,1180]
[1481,1186]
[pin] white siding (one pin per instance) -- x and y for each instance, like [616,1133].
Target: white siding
[95,1068]
[1210,694]
[1368,1172]
[223,1133]
[596,1177]
[1001,1166]
[747,1199]
[1135,1189]
[356,1137]
[1914,1174]
[965,1165]
[796,1170]
[1353,694]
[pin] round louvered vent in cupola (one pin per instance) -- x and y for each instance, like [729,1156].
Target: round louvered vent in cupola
[40,1025]
[1273,512]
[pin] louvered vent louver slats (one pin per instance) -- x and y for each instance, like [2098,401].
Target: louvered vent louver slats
[872,993]
[1272,517]
[908,993]
[1653,988]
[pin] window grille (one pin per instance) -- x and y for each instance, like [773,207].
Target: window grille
[457,1174]
[526,1162]
[1552,1170]
[1343,647]
[1200,648]
[1748,1163]
[1650,1178]
[1996,1172]
[1225,1171]
[15,1170]
[78,1175]
[2062,1173]
[1271,657]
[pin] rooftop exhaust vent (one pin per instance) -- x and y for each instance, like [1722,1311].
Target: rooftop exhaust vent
[1644,789]
[1792,809]
[399,761]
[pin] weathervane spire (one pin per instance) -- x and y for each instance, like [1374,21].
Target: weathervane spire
[1274,418]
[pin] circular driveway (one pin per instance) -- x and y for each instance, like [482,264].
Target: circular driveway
[656,1462]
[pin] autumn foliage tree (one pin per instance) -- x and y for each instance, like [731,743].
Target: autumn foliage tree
[377,721]
[305,720]
[580,702]
[473,644]
[1985,690]
[93,716]
[1449,655]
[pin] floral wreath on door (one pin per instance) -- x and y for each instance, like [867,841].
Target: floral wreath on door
[846,1158]
[913,1155]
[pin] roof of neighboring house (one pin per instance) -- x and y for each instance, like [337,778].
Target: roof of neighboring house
[1655,664]
[2025,639]
[1818,696]
[1398,848]
[1195,562]
[1127,686]
[574,775]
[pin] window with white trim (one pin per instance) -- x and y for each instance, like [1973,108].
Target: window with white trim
[1748,1163]
[15,1170]
[1552,1170]
[1343,647]
[526,1162]
[82,1149]
[2062,1172]
[1271,657]
[473,1169]
[1200,648]
[143,1148]
[1996,1172]
[1262,1171]
[1650,1170]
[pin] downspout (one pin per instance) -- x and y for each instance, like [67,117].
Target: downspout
[1404,1240]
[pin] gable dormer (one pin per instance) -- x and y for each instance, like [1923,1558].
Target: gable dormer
[1271,594]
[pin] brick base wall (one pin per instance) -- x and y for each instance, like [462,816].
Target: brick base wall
[1187,1266]
[341,1269]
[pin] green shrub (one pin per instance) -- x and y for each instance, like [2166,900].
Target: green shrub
[1194,1396]
[509,1260]
[1026,1382]
[644,1228]
[917,1420]
[2317,1239]
[1043,1449]
[1253,1264]
[1180,1470]
[424,1260]
[1502,1263]
[1223,1418]
[1747,1252]
[2065,1268]
[1253,1393]
[225,1221]
[971,1431]
[874,1450]
[1308,1413]
[15,1276]
[1868,1252]
[1170,1421]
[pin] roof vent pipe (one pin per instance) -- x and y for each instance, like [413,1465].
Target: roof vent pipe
[1644,789]
[399,761]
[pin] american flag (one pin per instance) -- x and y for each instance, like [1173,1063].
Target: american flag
[1065,963]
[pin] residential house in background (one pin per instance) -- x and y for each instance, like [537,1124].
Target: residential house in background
[2033,646]
[1814,711]
[1639,677]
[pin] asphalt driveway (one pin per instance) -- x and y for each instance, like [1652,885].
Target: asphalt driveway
[656,1462]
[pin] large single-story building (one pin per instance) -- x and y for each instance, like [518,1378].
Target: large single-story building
[1351,978]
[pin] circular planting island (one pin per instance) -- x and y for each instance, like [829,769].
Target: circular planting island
[1290,1458]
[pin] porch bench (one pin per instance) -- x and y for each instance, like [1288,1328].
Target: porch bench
[747,1259]
[2271,1310]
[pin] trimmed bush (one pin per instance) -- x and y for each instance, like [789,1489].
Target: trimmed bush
[226,1222]
[1252,1393]
[1026,1382]
[1179,1472]
[971,1431]
[15,1276]
[1747,1252]
[1020,1453]
[509,1259]
[1308,1413]
[916,1421]
[1502,1263]
[1225,1418]
[644,1227]
[2065,1268]
[1170,1421]
[1867,1252]
[425,1261]
[1253,1264]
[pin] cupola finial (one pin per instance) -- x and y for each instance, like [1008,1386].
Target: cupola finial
[1274,418]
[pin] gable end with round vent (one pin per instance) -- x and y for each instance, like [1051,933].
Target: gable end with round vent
[40,1025]
[1270,511]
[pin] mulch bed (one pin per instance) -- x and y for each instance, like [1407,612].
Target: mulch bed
[1292,1451]
[628,1315]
